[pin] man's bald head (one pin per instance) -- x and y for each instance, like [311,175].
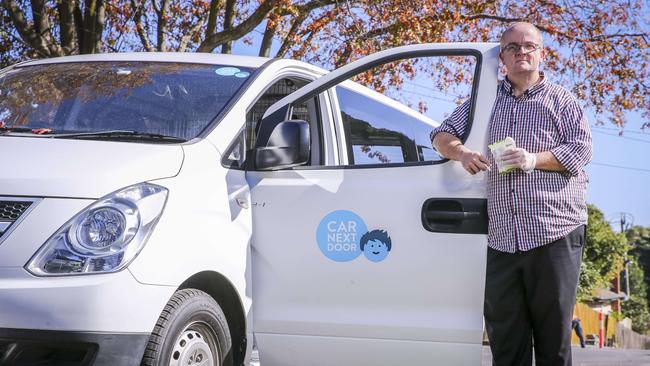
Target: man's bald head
[521,27]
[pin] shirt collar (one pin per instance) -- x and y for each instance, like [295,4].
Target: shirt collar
[539,86]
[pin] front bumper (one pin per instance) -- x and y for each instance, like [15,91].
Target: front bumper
[21,347]
[103,303]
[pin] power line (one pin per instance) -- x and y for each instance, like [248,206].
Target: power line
[432,89]
[623,137]
[620,130]
[426,95]
[621,167]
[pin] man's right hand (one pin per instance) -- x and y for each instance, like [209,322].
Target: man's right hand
[474,162]
[452,148]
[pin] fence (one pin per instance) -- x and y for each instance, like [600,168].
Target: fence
[627,338]
[591,325]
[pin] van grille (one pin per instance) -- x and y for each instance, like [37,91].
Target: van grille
[11,212]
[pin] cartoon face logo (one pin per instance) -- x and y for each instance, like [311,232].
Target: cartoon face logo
[375,245]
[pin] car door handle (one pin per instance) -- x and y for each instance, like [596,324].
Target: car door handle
[452,215]
[455,215]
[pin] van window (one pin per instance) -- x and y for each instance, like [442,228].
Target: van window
[377,133]
[172,99]
[307,111]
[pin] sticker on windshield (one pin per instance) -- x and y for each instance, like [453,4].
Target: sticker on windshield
[242,74]
[227,71]
[122,71]
[343,235]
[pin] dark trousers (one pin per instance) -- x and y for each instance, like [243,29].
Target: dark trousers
[529,299]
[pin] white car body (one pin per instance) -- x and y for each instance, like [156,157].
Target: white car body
[248,237]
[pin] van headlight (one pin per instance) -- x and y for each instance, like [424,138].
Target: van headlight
[104,237]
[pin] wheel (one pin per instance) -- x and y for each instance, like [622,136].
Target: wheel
[192,330]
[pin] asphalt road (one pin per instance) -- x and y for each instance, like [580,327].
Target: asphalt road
[597,357]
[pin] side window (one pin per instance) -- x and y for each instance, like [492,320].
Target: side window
[378,133]
[388,119]
[307,111]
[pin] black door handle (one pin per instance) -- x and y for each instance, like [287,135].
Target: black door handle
[455,215]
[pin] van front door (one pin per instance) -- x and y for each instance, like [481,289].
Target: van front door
[373,264]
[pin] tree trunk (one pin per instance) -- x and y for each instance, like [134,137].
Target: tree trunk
[267,40]
[162,25]
[228,20]
[66,26]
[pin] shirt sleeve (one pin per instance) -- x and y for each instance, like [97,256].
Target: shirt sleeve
[456,123]
[576,149]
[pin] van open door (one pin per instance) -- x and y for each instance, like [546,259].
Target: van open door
[376,264]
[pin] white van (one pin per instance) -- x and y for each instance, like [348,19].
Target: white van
[176,209]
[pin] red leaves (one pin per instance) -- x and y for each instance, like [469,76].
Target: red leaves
[41,131]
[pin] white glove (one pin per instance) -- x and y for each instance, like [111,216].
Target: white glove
[520,158]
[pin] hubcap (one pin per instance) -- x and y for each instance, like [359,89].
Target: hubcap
[196,346]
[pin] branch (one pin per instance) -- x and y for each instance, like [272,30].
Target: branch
[66,25]
[212,17]
[312,5]
[142,34]
[98,26]
[40,21]
[188,36]
[607,36]
[79,25]
[303,12]
[26,31]
[267,40]
[245,27]
[93,26]
[287,42]
[552,31]
[228,20]
[162,24]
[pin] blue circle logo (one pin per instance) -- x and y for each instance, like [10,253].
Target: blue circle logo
[339,234]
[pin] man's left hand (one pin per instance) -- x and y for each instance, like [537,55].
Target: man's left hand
[520,158]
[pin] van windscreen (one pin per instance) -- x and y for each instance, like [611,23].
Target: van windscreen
[171,99]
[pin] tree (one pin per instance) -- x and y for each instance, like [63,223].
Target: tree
[604,253]
[599,48]
[58,28]
[639,239]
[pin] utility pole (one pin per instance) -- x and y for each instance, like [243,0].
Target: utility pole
[626,223]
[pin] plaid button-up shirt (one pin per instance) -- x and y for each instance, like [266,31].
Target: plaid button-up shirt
[527,211]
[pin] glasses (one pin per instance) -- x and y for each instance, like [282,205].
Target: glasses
[524,47]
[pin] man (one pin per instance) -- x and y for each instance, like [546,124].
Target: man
[575,324]
[537,210]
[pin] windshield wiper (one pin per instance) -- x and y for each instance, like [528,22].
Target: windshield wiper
[113,134]
[4,129]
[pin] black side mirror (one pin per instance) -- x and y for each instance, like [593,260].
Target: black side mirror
[288,146]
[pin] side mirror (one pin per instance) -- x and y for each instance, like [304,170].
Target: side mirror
[288,146]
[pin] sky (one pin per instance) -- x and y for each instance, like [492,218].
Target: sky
[619,173]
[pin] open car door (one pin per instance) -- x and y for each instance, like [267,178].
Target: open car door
[368,264]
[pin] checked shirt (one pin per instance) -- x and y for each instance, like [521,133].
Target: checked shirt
[525,210]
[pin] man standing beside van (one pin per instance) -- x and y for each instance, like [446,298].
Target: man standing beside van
[537,209]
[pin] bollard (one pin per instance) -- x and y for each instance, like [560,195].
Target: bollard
[601,328]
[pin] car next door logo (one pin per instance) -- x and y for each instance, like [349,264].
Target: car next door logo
[343,235]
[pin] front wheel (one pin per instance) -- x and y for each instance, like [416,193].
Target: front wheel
[192,330]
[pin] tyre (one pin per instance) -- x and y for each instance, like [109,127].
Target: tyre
[192,330]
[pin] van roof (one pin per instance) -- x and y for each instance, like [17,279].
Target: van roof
[182,57]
